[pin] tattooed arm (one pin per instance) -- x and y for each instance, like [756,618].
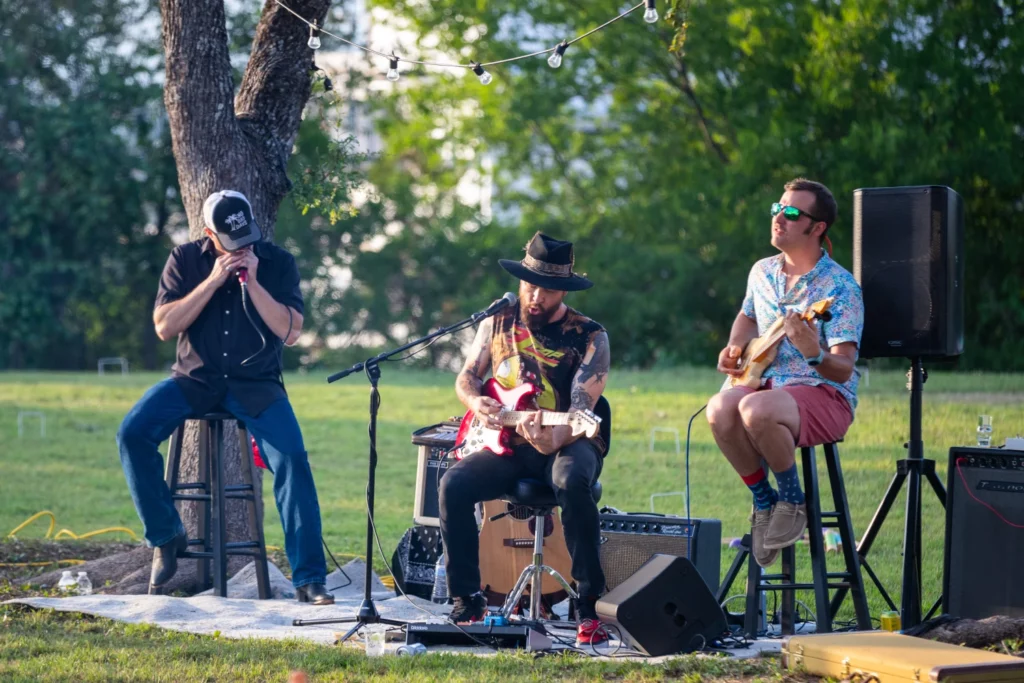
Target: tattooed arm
[590,379]
[587,387]
[470,381]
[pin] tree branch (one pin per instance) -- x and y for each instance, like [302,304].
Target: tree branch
[683,85]
[198,90]
[277,81]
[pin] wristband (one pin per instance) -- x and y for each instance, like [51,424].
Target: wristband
[816,361]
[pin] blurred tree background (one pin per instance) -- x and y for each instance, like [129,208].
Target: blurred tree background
[656,148]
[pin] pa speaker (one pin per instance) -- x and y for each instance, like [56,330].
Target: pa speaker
[664,608]
[908,259]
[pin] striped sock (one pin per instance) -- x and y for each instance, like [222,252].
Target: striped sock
[764,494]
[789,486]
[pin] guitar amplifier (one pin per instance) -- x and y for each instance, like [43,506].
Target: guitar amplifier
[984,549]
[431,463]
[629,540]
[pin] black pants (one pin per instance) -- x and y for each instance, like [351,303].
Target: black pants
[485,476]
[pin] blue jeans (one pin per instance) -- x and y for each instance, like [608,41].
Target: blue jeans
[152,420]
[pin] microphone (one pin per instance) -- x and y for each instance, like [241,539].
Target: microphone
[504,302]
[243,276]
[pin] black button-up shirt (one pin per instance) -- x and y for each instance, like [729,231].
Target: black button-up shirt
[211,350]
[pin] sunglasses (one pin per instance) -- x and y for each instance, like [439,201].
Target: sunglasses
[791,213]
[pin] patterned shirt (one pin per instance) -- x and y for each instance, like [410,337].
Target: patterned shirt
[547,357]
[767,299]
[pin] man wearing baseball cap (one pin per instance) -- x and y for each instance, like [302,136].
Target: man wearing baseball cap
[230,340]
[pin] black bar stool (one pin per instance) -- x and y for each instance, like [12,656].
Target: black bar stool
[759,582]
[212,492]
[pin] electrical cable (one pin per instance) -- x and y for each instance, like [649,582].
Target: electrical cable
[689,425]
[473,65]
[248,314]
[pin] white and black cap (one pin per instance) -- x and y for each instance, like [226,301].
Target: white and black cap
[229,214]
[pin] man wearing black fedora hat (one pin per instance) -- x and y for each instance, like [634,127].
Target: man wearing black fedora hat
[565,355]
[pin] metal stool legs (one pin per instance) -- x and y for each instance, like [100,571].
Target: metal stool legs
[533,574]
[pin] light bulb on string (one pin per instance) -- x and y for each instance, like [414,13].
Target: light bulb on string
[650,14]
[485,78]
[555,60]
[314,37]
[393,74]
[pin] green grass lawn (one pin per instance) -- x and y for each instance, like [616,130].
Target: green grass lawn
[44,646]
[75,471]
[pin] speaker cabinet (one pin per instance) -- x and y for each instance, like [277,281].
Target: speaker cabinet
[908,259]
[629,540]
[984,551]
[431,463]
[664,608]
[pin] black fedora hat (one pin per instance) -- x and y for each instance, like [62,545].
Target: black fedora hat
[548,263]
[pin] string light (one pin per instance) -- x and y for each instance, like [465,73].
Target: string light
[650,14]
[314,36]
[478,69]
[555,60]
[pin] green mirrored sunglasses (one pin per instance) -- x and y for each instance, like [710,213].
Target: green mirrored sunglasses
[791,212]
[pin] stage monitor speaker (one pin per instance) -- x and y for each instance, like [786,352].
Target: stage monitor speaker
[432,461]
[908,258]
[664,608]
[984,550]
[629,540]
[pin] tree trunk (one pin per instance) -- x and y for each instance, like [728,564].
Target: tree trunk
[223,142]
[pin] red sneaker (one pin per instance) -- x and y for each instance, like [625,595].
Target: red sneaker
[591,631]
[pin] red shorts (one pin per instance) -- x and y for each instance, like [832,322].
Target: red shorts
[824,413]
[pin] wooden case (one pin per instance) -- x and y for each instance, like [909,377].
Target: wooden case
[883,657]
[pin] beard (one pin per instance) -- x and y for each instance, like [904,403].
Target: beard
[535,322]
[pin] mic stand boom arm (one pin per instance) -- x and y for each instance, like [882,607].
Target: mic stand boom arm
[461,325]
[368,613]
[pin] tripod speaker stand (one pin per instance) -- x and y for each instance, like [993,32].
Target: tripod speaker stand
[908,471]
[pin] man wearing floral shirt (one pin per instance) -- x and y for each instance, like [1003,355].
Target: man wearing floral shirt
[809,393]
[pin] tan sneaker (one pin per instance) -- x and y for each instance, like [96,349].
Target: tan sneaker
[787,525]
[759,521]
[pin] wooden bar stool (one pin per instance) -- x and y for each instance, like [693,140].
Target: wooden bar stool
[211,492]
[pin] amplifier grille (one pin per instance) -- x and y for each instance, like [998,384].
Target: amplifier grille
[623,553]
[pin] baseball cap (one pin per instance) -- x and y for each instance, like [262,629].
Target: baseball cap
[229,214]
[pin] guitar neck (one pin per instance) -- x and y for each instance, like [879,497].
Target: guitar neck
[774,334]
[548,418]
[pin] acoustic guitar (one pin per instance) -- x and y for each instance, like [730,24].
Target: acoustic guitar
[474,436]
[760,353]
[506,547]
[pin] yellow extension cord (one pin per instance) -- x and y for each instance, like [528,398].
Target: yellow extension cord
[67,533]
[63,533]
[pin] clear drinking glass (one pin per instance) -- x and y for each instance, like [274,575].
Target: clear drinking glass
[984,431]
[374,637]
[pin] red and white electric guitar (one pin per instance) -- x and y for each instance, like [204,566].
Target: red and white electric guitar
[474,436]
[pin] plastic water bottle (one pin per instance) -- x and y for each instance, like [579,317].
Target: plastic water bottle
[67,581]
[440,594]
[84,584]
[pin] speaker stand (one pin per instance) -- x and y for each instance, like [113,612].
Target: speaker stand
[908,471]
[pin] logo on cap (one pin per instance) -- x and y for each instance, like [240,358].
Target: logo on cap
[236,221]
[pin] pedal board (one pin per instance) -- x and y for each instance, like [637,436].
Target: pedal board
[512,636]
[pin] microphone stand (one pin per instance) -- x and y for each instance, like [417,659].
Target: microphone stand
[368,613]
